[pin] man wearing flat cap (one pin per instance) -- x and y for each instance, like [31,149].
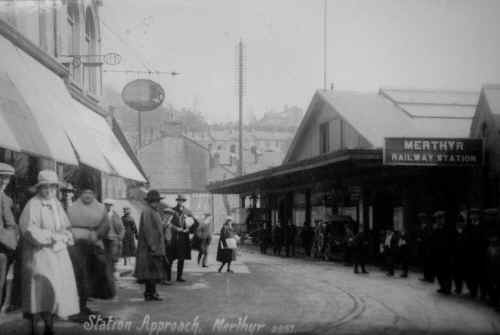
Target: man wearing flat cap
[181,244]
[8,228]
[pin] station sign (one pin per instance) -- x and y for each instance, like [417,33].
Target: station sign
[143,95]
[413,151]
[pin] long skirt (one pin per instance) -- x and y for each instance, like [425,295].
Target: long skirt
[93,271]
[49,283]
[225,255]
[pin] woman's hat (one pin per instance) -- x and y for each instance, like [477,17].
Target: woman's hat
[86,183]
[153,196]
[108,202]
[180,197]
[439,214]
[6,169]
[47,177]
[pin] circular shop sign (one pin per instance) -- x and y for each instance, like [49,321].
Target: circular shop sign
[143,95]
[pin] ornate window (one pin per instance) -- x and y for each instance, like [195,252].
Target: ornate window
[73,18]
[91,50]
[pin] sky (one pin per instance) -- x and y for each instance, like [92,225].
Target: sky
[429,44]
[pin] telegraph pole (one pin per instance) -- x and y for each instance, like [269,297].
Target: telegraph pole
[325,42]
[241,92]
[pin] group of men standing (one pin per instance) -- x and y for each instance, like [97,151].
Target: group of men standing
[461,253]
[164,236]
[279,238]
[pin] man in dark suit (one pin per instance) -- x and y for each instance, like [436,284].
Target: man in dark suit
[390,250]
[7,221]
[424,239]
[442,252]
[181,244]
[476,245]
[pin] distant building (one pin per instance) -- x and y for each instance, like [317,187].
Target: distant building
[175,164]
[345,159]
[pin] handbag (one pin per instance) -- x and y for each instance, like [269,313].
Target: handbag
[9,236]
[231,243]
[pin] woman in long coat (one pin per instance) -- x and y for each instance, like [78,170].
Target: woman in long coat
[48,281]
[131,234]
[224,254]
[150,265]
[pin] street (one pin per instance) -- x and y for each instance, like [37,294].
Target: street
[283,295]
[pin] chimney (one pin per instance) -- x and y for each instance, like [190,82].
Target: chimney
[173,128]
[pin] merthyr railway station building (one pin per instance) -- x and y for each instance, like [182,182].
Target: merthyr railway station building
[382,158]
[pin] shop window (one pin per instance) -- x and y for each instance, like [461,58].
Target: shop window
[324,138]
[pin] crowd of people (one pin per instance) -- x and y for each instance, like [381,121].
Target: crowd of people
[460,252]
[64,253]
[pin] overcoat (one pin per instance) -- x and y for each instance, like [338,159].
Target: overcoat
[151,260]
[131,234]
[203,237]
[181,244]
[223,253]
[48,280]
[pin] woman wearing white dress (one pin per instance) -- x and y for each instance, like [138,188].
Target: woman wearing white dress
[48,281]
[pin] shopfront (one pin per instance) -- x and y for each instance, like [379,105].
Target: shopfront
[43,126]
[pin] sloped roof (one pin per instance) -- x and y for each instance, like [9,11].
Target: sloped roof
[397,113]
[492,93]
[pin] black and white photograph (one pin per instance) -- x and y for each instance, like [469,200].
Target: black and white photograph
[248,167]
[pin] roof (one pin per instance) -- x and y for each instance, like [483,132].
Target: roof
[397,113]
[303,170]
[492,93]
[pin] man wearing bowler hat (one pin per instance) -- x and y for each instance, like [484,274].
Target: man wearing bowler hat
[181,244]
[8,228]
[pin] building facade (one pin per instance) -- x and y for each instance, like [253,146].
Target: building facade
[51,80]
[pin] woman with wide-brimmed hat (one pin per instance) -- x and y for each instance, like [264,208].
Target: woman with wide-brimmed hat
[48,281]
[150,265]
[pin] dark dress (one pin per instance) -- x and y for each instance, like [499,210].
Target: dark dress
[224,254]
[131,234]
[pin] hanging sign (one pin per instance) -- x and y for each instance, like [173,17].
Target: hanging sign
[143,95]
[433,151]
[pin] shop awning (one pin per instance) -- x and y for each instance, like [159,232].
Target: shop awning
[26,109]
[109,145]
[42,118]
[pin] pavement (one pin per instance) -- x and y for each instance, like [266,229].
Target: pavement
[277,295]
